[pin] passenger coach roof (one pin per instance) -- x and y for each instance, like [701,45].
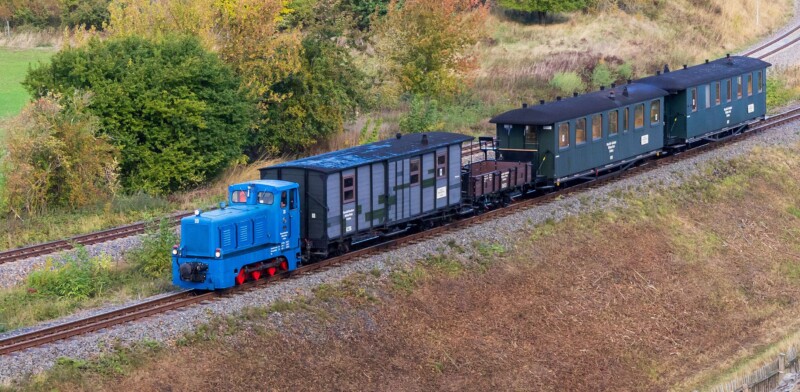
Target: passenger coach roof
[723,68]
[410,144]
[582,105]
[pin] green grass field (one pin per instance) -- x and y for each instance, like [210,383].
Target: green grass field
[14,65]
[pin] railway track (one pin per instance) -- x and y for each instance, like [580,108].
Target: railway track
[774,46]
[85,239]
[182,299]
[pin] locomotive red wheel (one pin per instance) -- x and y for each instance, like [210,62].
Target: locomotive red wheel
[271,271]
[284,265]
[256,275]
[241,277]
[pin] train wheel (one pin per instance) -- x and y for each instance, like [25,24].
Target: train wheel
[241,277]
[271,271]
[284,265]
[256,275]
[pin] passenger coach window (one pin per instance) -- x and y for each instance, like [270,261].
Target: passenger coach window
[266,198]
[760,82]
[441,166]
[613,122]
[580,131]
[718,97]
[626,120]
[563,135]
[694,99]
[749,85]
[655,112]
[597,126]
[414,171]
[708,96]
[729,92]
[348,189]
[739,87]
[638,121]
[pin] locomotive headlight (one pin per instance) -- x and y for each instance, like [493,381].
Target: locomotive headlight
[197,212]
[217,253]
[175,250]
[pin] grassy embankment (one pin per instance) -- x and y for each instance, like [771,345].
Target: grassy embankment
[663,294]
[516,64]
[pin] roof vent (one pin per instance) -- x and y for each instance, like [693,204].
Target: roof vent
[613,85]
[685,66]
[706,61]
[612,96]
[558,98]
[666,68]
[602,88]
[730,60]
[399,135]
[658,73]
[424,139]
[541,102]
[629,81]
[625,91]
[524,105]
[574,93]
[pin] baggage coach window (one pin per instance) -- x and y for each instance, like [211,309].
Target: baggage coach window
[563,135]
[738,87]
[414,171]
[348,189]
[441,165]
[760,82]
[626,120]
[729,92]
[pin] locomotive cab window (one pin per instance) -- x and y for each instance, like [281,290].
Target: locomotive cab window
[283,199]
[563,135]
[718,96]
[613,122]
[694,100]
[414,171]
[597,126]
[638,114]
[266,198]
[348,189]
[749,85]
[655,112]
[239,197]
[580,131]
[441,166]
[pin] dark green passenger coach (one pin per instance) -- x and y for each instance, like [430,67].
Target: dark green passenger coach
[712,100]
[582,136]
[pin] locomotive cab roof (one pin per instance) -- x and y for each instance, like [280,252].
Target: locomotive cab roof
[582,105]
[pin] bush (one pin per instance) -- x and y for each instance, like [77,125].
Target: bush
[175,111]
[80,277]
[567,82]
[55,157]
[153,258]
[625,71]
[423,116]
[601,76]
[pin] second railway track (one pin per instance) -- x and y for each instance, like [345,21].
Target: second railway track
[182,299]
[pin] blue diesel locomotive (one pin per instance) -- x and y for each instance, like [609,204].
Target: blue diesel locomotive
[312,208]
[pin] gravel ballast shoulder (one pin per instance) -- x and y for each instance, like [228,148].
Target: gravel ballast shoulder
[168,327]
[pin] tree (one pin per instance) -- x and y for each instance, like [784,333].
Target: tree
[56,157]
[542,7]
[174,110]
[423,46]
[89,13]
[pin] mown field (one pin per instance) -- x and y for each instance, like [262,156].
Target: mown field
[15,63]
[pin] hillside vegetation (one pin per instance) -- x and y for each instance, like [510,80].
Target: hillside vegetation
[641,298]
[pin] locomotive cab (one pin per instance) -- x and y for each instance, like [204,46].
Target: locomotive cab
[256,235]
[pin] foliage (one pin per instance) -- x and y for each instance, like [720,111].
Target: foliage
[320,96]
[81,276]
[602,75]
[567,82]
[625,71]
[423,116]
[54,13]
[174,109]
[153,258]
[370,131]
[89,13]
[423,46]
[55,157]
[365,11]
[544,5]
